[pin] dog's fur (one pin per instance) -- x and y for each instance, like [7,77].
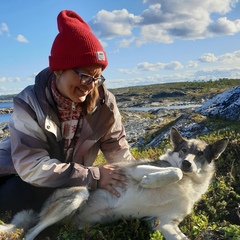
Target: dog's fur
[163,194]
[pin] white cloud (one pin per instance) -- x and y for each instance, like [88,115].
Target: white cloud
[207,57]
[128,71]
[4,29]
[2,88]
[145,66]
[187,19]
[192,64]
[164,20]
[151,67]
[230,57]
[125,43]
[151,79]
[3,79]
[173,65]
[16,79]
[223,26]
[218,73]
[222,66]
[112,24]
[207,67]
[21,38]
[104,44]
[219,6]
[9,79]
[153,33]
[115,51]
[233,57]
[205,74]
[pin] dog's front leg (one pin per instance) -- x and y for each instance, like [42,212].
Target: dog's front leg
[161,178]
[138,172]
[170,231]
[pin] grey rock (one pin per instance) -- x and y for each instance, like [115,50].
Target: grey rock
[186,126]
[1,133]
[6,110]
[4,126]
[225,105]
[3,130]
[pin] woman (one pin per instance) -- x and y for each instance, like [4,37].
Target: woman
[61,122]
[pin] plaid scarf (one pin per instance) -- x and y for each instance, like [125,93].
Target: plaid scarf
[71,120]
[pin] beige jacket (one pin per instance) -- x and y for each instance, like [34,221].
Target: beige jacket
[37,145]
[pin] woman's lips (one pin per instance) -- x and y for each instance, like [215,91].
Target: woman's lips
[82,92]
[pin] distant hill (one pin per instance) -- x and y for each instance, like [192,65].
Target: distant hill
[185,91]
[7,97]
[198,92]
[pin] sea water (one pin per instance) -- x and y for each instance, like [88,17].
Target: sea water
[5,117]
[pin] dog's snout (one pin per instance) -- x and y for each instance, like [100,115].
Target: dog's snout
[186,164]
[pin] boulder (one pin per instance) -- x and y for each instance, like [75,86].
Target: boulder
[1,133]
[225,105]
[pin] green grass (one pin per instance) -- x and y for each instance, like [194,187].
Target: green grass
[216,216]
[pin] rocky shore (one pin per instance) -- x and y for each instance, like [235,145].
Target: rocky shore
[6,110]
[150,128]
[4,132]
[141,126]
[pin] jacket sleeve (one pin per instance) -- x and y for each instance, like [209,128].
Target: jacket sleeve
[30,154]
[114,144]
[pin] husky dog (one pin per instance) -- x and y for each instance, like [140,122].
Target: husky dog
[160,194]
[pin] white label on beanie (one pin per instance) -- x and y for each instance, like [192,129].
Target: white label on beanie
[101,56]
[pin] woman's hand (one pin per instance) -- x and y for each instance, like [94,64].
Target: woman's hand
[111,177]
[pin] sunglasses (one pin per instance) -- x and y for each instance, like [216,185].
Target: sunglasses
[86,79]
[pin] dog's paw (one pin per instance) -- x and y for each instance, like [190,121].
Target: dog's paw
[145,181]
[162,178]
[150,181]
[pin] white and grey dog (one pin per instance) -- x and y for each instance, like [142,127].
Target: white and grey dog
[161,194]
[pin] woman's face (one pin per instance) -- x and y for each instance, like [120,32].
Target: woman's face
[68,82]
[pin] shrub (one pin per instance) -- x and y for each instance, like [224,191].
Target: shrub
[216,216]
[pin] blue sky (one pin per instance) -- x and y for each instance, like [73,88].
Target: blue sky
[147,41]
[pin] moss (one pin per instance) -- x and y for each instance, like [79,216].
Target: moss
[216,216]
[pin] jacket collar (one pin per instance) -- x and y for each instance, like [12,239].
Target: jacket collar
[44,95]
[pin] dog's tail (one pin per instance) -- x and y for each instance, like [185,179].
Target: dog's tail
[22,220]
[61,204]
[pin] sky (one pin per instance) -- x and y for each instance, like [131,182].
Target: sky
[146,41]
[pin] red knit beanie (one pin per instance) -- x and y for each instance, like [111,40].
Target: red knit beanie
[75,45]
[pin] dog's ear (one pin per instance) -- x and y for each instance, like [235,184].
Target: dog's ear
[175,136]
[218,148]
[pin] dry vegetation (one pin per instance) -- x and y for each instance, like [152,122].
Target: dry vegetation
[216,216]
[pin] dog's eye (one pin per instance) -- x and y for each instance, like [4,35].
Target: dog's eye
[184,150]
[200,153]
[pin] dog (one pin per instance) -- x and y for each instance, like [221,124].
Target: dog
[162,191]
